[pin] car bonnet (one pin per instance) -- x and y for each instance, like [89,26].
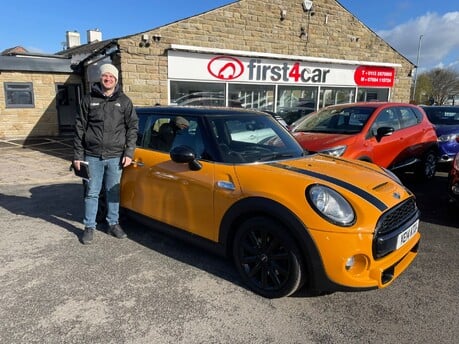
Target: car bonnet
[352,178]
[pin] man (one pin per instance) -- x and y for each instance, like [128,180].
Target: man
[105,137]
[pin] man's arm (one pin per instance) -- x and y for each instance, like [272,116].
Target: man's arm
[132,128]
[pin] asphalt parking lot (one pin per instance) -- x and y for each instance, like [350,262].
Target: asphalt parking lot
[151,288]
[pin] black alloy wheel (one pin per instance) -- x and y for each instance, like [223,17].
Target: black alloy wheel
[267,258]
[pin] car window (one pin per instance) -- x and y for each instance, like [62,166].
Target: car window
[408,117]
[337,120]
[386,118]
[443,116]
[161,134]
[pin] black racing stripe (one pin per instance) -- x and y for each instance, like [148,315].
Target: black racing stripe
[359,192]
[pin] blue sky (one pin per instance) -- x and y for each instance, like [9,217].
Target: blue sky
[40,25]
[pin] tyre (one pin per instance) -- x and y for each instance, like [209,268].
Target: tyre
[267,258]
[427,167]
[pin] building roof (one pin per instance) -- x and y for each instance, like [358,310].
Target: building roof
[33,63]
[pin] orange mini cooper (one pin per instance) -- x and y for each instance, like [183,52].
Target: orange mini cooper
[236,182]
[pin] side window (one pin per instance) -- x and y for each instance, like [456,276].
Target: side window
[408,117]
[19,95]
[163,134]
[386,118]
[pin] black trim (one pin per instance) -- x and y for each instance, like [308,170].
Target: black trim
[208,245]
[359,192]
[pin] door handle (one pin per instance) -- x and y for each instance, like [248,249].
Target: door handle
[137,163]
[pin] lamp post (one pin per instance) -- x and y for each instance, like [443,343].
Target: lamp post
[417,67]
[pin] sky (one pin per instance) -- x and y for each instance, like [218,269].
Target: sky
[425,32]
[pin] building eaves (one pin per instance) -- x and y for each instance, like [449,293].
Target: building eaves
[87,49]
[35,64]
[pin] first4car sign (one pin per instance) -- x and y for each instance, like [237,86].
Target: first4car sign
[187,65]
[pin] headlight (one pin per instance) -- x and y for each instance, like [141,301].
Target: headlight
[335,151]
[330,205]
[447,138]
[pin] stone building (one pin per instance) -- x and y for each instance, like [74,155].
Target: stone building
[276,55]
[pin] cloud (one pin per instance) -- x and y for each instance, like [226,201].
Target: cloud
[439,43]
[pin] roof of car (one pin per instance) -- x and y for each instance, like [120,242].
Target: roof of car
[433,107]
[373,104]
[196,110]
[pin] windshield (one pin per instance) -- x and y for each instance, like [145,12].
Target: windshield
[337,120]
[246,139]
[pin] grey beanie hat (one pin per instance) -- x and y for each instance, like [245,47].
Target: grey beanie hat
[109,68]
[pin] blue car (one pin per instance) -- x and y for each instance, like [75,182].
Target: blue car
[446,122]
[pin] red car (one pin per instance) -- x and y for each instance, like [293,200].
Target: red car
[392,135]
[453,180]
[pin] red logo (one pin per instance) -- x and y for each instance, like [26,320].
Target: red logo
[225,67]
[374,76]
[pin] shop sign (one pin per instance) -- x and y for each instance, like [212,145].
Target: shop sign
[197,66]
[374,76]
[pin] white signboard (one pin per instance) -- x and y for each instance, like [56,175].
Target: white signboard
[227,68]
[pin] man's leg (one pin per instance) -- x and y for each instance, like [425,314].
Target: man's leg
[91,199]
[112,189]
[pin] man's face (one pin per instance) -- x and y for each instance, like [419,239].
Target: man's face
[108,81]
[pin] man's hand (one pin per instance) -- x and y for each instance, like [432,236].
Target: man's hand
[76,164]
[126,161]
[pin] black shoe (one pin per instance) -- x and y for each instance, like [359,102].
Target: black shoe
[117,231]
[88,235]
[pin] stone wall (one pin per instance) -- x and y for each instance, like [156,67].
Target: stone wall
[330,31]
[41,120]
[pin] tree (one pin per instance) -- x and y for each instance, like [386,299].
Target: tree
[437,85]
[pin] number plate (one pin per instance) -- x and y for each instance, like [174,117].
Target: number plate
[407,234]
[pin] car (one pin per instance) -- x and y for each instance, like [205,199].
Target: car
[288,220]
[453,180]
[292,114]
[446,122]
[277,117]
[397,136]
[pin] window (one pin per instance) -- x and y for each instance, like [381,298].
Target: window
[197,93]
[336,95]
[408,117]
[387,118]
[251,96]
[372,94]
[19,95]
[162,134]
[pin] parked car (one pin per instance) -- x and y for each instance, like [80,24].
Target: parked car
[446,122]
[396,136]
[453,180]
[292,114]
[287,220]
[277,117]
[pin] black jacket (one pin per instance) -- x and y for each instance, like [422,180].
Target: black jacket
[106,126]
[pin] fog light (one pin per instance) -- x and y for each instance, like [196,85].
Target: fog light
[356,264]
[349,263]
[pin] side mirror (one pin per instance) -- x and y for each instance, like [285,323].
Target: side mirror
[184,154]
[384,131]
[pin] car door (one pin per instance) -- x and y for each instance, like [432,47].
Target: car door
[172,193]
[386,149]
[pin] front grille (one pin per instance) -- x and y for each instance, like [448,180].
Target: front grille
[397,216]
[391,224]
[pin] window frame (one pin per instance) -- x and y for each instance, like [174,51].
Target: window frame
[9,87]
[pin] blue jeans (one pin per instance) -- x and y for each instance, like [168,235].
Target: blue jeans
[106,172]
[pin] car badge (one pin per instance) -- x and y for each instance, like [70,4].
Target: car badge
[396,195]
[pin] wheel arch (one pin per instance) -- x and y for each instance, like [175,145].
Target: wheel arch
[258,206]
